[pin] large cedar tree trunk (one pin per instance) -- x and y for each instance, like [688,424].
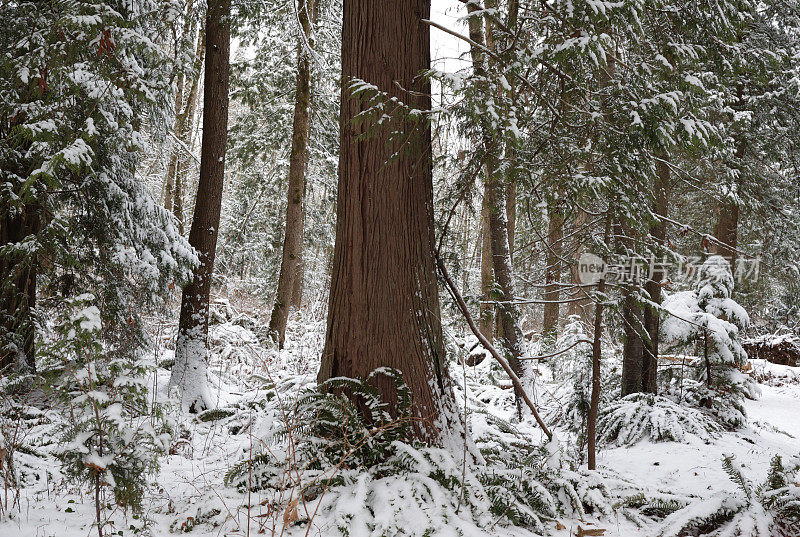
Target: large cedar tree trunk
[288,285]
[384,301]
[191,349]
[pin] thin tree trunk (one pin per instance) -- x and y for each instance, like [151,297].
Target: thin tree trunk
[384,302]
[172,166]
[503,271]
[169,180]
[186,126]
[511,211]
[495,200]
[727,231]
[581,304]
[486,322]
[632,321]
[727,227]
[299,275]
[293,237]
[191,349]
[511,216]
[594,400]
[658,234]
[555,236]
[633,344]
[509,144]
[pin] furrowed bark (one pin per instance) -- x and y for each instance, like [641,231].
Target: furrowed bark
[384,301]
[288,284]
[555,235]
[658,234]
[191,349]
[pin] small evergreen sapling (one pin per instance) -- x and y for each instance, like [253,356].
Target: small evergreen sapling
[110,440]
[708,321]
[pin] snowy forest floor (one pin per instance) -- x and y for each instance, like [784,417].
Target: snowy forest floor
[190,493]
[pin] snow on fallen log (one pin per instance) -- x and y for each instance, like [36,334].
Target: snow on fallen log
[783,349]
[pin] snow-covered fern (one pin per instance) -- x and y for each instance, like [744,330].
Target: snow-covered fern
[639,415]
[769,510]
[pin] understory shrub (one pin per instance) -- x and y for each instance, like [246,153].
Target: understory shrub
[110,439]
[364,476]
[771,509]
[642,415]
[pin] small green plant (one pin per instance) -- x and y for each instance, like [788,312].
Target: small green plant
[110,440]
[642,415]
[771,509]
[344,423]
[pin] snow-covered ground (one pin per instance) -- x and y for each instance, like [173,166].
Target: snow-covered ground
[190,494]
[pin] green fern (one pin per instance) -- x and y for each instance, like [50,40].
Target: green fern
[735,474]
[770,510]
[630,419]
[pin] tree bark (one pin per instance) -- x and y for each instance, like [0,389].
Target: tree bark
[501,257]
[18,300]
[486,322]
[486,319]
[169,180]
[633,344]
[293,237]
[727,231]
[191,349]
[384,302]
[594,399]
[172,166]
[581,303]
[186,125]
[496,206]
[555,235]
[658,234]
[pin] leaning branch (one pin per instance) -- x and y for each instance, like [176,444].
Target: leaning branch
[451,287]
